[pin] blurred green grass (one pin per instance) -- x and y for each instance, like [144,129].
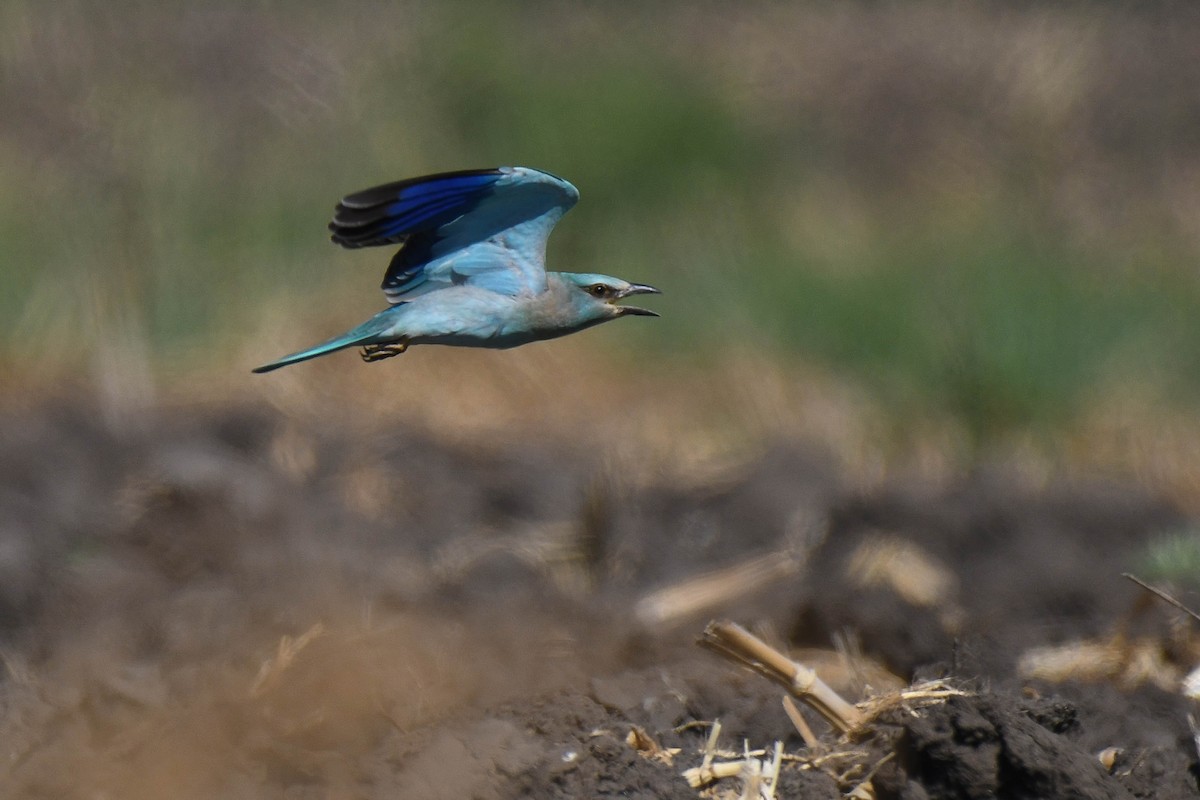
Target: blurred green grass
[947,205]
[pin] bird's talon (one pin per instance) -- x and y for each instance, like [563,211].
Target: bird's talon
[378,352]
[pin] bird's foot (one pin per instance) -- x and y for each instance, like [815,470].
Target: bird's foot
[378,352]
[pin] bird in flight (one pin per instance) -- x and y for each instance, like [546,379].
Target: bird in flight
[471,268]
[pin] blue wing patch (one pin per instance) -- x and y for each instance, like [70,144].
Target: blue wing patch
[486,228]
[387,214]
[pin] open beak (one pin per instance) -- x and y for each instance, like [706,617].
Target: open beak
[637,288]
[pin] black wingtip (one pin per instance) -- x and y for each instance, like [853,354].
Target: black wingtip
[387,192]
[371,217]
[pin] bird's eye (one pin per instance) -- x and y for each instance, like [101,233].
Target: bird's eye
[598,290]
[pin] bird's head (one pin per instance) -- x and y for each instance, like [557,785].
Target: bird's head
[596,296]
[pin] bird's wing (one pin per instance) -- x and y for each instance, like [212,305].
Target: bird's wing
[486,228]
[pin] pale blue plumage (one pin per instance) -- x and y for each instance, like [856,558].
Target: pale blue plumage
[470,270]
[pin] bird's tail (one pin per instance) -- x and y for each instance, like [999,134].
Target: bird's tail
[333,345]
[367,333]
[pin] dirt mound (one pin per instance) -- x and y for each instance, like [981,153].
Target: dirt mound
[229,602]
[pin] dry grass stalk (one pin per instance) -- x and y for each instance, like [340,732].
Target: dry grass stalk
[1120,659]
[924,694]
[1162,595]
[639,739]
[865,790]
[774,766]
[758,772]
[738,644]
[704,774]
[753,785]
[701,776]
[718,764]
[850,768]
[1124,662]
[827,762]
[643,742]
[285,654]
[714,589]
[846,670]
[912,573]
[805,730]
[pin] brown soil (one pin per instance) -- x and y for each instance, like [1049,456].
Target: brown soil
[231,604]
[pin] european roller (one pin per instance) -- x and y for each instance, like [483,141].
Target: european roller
[471,268]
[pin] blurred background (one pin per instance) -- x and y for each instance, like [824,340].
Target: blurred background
[904,247]
[975,226]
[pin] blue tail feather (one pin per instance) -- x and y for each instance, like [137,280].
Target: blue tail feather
[367,333]
[333,345]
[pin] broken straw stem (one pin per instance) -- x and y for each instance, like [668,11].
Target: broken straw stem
[1161,595]
[713,589]
[738,644]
